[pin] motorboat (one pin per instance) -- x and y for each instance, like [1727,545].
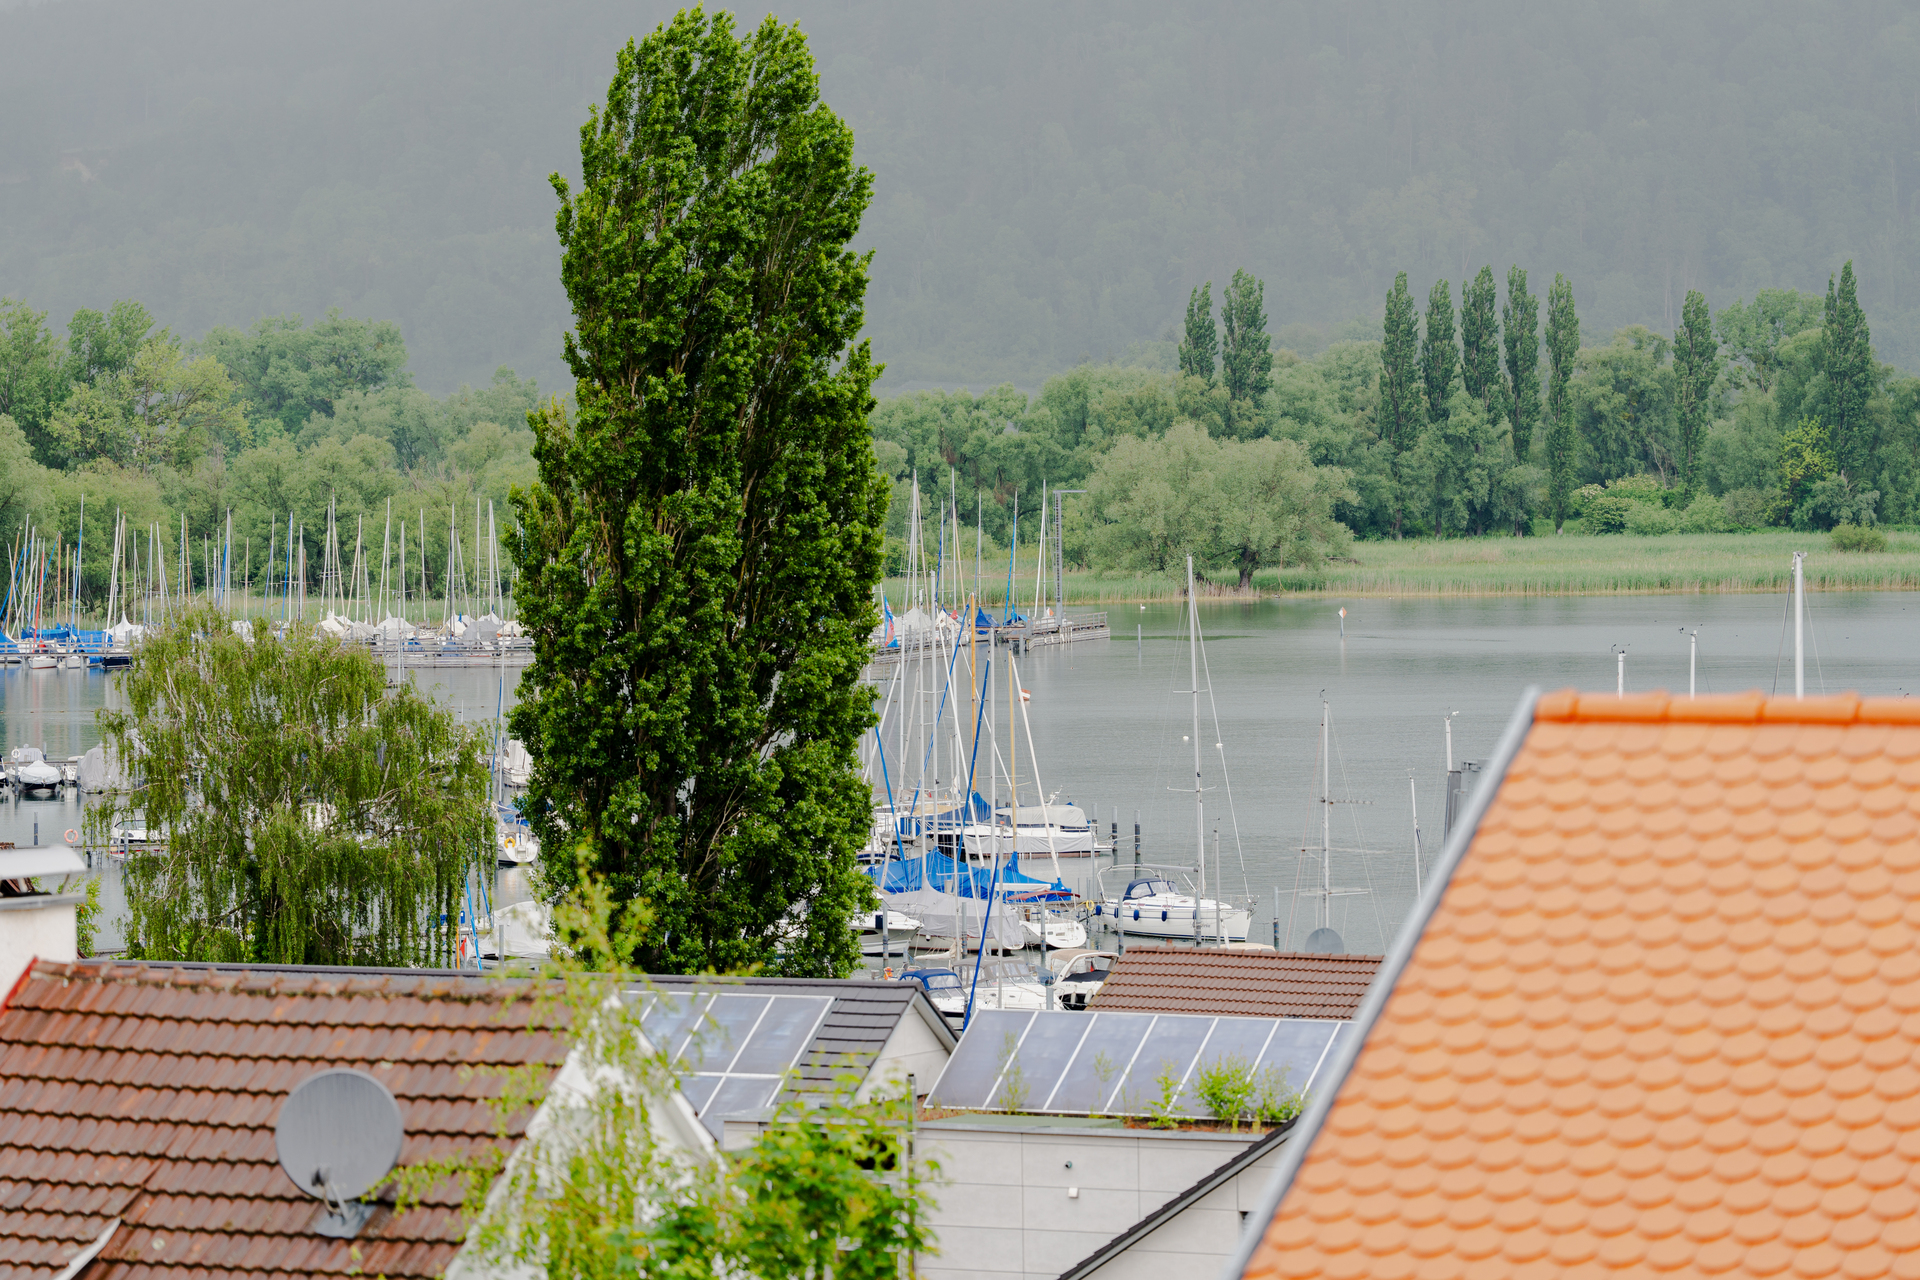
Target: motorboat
[899,932]
[1054,930]
[30,770]
[73,662]
[42,661]
[943,988]
[1060,829]
[1082,978]
[520,931]
[1154,907]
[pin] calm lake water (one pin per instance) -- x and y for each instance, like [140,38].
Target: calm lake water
[1109,718]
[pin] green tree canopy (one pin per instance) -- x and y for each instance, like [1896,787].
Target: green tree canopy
[1520,333]
[1847,359]
[1563,350]
[1752,333]
[1246,355]
[699,554]
[312,816]
[288,372]
[1439,356]
[1402,404]
[1696,367]
[1199,341]
[1480,345]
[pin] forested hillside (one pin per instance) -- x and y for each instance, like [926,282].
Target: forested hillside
[1051,180]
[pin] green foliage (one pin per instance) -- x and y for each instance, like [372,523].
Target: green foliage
[1806,457]
[1014,1088]
[1402,409]
[1748,508]
[1563,348]
[288,372]
[1847,359]
[1277,1104]
[1199,342]
[1520,332]
[161,408]
[1752,334]
[1246,360]
[617,1179]
[86,914]
[32,384]
[1228,1087]
[313,815]
[1234,505]
[1439,357]
[698,556]
[1853,537]
[1696,366]
[1621,397]
[1163,1107]
[1480,346]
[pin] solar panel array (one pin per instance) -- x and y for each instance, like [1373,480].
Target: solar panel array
[1112,1063]
[733,1048]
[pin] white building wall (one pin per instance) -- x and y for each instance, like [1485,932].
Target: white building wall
[1030,1202]
[38,927]
[1199,1239]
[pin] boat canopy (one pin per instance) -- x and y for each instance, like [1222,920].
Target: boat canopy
[937,871]
[1147,888]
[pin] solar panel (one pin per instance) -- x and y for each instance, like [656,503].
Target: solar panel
[734,1048]
[1114,1063]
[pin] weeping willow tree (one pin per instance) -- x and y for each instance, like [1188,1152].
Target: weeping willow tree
[309,814]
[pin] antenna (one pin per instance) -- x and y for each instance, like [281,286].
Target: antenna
[338,1137]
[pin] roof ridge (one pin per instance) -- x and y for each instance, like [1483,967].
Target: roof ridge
[1753,707]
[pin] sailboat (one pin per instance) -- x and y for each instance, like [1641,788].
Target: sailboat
[1152,905]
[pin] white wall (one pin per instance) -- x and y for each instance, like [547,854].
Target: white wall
[1199,1239]
[914,1049]
[35,927]
[1006,1202]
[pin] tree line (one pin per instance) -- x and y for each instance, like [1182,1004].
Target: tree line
[1492,416]
[282,418]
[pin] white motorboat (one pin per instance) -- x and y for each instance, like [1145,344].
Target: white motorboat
[74,662]
[893,940]
[1060,829]
[1154,907]
[1055,930]
[1082,978]
[42,662]
[517,844]
[28,768]
[522,931]
[944,989]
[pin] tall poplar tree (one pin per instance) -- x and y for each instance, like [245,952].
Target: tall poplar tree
[1480,345]
[1246,357]
[1439,357]
[698,557]
[1696,364]
[1202,342]
[1520,332]
[1563,349]
[1401,411]
[1846,353]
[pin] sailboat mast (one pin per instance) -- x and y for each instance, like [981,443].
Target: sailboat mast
[1326,822]
[1199,804]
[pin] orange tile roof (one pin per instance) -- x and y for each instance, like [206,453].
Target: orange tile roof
[150,1093]
[1223,982]
[1663,1019]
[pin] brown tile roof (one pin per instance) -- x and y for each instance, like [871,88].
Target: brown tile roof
[149,1093]
[1219,981]
[1664,1018]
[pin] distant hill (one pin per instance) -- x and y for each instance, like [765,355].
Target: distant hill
[1052,179]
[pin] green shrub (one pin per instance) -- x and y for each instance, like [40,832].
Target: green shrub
[1650,518]
[1277,1103]
[1748,508]
[1163,1109]
[1607,512]
[1706,514]
[1228,1087]
[1854,537]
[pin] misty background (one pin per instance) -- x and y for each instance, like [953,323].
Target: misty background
[1051,180]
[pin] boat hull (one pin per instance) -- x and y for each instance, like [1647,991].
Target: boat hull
[1177,921]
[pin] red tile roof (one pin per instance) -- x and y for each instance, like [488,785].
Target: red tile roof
[1664,1018]
[150,1093]
[1224,982]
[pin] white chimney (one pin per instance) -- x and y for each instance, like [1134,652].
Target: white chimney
[35,924]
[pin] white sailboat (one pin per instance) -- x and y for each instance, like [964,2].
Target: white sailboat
[1153,905]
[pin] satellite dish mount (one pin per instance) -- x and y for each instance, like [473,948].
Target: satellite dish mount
[338,1137]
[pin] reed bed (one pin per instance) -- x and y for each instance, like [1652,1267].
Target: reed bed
[1568,565]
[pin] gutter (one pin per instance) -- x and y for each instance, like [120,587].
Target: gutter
[1375,1003]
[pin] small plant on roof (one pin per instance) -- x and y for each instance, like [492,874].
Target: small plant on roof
[1277,1103]
[1013,1078]
[1228,1087]
[1162,1107]
[1103,1069]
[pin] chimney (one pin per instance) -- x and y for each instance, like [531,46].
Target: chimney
[35,924]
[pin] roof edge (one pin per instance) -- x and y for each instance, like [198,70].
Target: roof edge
[1752,707]
[1208,1183]
[1375,1001]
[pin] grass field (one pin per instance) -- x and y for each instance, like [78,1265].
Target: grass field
[1569,565]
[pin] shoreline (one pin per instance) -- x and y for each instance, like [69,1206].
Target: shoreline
[1564,565]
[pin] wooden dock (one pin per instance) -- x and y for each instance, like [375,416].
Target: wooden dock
[1020,638]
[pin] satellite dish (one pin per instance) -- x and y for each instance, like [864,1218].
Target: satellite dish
[338,1137]
[1325,942]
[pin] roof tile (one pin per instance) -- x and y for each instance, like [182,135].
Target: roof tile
[1231,982]
[150,1093]
[1689,1048]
